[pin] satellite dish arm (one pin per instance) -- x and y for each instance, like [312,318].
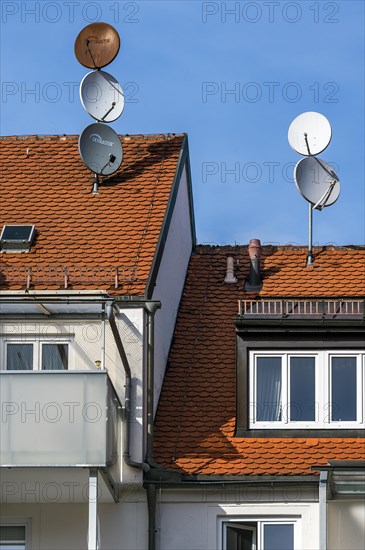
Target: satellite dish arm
[91,55]
[307,144]
[110,110]
[325,196]
[111,160]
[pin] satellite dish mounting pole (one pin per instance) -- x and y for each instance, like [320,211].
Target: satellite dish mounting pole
[310,258]
[96,184]
[311,173]
[100,147]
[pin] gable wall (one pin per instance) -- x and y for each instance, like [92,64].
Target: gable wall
[170,280]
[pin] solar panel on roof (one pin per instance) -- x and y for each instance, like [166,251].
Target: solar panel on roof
[17,238]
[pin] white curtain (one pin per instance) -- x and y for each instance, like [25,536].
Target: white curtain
[268,399]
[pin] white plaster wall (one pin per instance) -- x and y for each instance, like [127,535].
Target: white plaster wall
[346,524]
[86,342]
[185,520]
[85,338]
[123,526]
[170,280]
[190,524]
[188,520]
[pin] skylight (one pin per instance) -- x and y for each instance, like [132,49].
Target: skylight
[17,238]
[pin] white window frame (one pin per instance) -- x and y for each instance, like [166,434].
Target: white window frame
[261,521]
[37,343]
[323,383]
[20,522]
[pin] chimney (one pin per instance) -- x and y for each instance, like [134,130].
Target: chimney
[254,279]
[230,278]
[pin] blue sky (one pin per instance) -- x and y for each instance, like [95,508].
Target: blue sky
[233,75]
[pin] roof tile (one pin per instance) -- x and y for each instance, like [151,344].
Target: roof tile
[195,421]
[44,177]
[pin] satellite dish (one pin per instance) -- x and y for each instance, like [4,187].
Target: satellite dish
[100,149]
[317,182]
[309,133]
[102,96]
[97,45]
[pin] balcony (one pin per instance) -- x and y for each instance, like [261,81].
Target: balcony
[60,419]
[296,308]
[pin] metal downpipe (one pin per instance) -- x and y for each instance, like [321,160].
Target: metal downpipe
[322,497]
[151,504]
[151,308]
[127,401]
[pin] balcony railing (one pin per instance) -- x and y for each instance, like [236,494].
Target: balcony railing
[58,418]
[299,308]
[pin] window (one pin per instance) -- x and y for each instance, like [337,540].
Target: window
[15,534]
[17,238]
[315,389]
[260,535]
[37,355]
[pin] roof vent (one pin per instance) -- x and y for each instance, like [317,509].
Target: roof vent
[17,238]
[230,278]
[254,279]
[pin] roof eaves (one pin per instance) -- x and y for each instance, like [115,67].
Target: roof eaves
[184,481]
[341,465]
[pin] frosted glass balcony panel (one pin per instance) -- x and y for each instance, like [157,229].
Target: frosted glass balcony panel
[58,418]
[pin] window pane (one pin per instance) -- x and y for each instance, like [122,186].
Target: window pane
[10,533]
[19,356]
[54,356]
[268,398]
[279,537]
[343,389]
[239,539]
[12,537]
[302,388]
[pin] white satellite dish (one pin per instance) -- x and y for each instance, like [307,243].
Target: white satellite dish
[310,133]
[100,149]
[317,182]
[102,96]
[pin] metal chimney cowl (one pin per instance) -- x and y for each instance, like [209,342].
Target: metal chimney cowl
[254,279]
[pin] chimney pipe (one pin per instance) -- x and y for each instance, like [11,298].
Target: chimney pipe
[254,279]
[230,278]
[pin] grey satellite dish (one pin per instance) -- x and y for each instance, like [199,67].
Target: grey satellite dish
[309,133]
[317,182]
[100,149]
[102,96]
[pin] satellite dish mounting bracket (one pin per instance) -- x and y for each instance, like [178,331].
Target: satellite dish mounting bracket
[96,184]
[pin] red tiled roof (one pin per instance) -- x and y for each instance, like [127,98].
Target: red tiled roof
[195,422]
[44,182]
